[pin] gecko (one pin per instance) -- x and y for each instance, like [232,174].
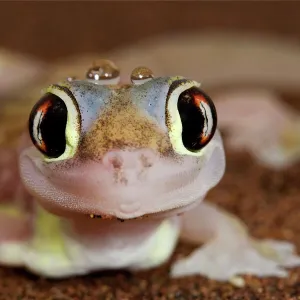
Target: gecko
[114,174]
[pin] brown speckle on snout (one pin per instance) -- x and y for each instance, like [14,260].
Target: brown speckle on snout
[123,126]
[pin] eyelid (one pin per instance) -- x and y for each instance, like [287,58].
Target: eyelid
[73,120]
[173,120]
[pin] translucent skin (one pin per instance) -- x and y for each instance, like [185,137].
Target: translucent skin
[128,182]
[247,114]
[125,168]
[90,187]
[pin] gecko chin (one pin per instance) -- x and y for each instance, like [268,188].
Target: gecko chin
[106,188]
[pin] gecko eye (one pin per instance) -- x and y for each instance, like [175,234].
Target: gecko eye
[191,117]
[54,124]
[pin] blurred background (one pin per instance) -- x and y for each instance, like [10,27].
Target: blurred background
[50,30]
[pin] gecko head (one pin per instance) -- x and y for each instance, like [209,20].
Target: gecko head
[122,151]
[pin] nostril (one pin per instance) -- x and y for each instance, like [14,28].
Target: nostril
[146,162]
[147,159]
[112,160]
[129,160]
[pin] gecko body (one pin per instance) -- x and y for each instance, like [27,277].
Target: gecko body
[118,173]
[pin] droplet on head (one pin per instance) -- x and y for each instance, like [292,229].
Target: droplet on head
[103,72]
[141,75]
[71,78]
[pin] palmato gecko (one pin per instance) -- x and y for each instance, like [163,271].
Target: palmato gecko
[118,173]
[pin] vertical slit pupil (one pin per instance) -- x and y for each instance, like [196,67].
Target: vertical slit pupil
[49,116]
[193,120]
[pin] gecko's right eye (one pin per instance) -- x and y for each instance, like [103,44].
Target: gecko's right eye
[54,124]
[198,118]
[191,117]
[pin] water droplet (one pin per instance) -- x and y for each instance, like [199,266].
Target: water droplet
[103,72]
[140,75]
[71,78]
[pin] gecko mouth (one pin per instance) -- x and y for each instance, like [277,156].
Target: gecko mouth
[108,217]
[173,211]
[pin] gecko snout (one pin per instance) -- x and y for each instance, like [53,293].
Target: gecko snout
[130,160]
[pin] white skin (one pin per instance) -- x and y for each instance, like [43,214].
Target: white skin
[246,114]
[125,163]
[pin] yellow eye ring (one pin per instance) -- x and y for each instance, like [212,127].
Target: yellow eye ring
[191,117]
[55,124]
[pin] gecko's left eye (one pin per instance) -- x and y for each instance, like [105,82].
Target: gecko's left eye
[54,124]
[191,117]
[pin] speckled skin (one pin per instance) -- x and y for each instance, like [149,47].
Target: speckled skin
[125,167]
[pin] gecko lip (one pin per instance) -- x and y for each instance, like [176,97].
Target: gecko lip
[173,211]
[107,217]
[89,189]
[93,216]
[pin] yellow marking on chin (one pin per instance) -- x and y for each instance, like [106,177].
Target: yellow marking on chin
[53,254]
[47,241]
[48,235]
[162,249]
